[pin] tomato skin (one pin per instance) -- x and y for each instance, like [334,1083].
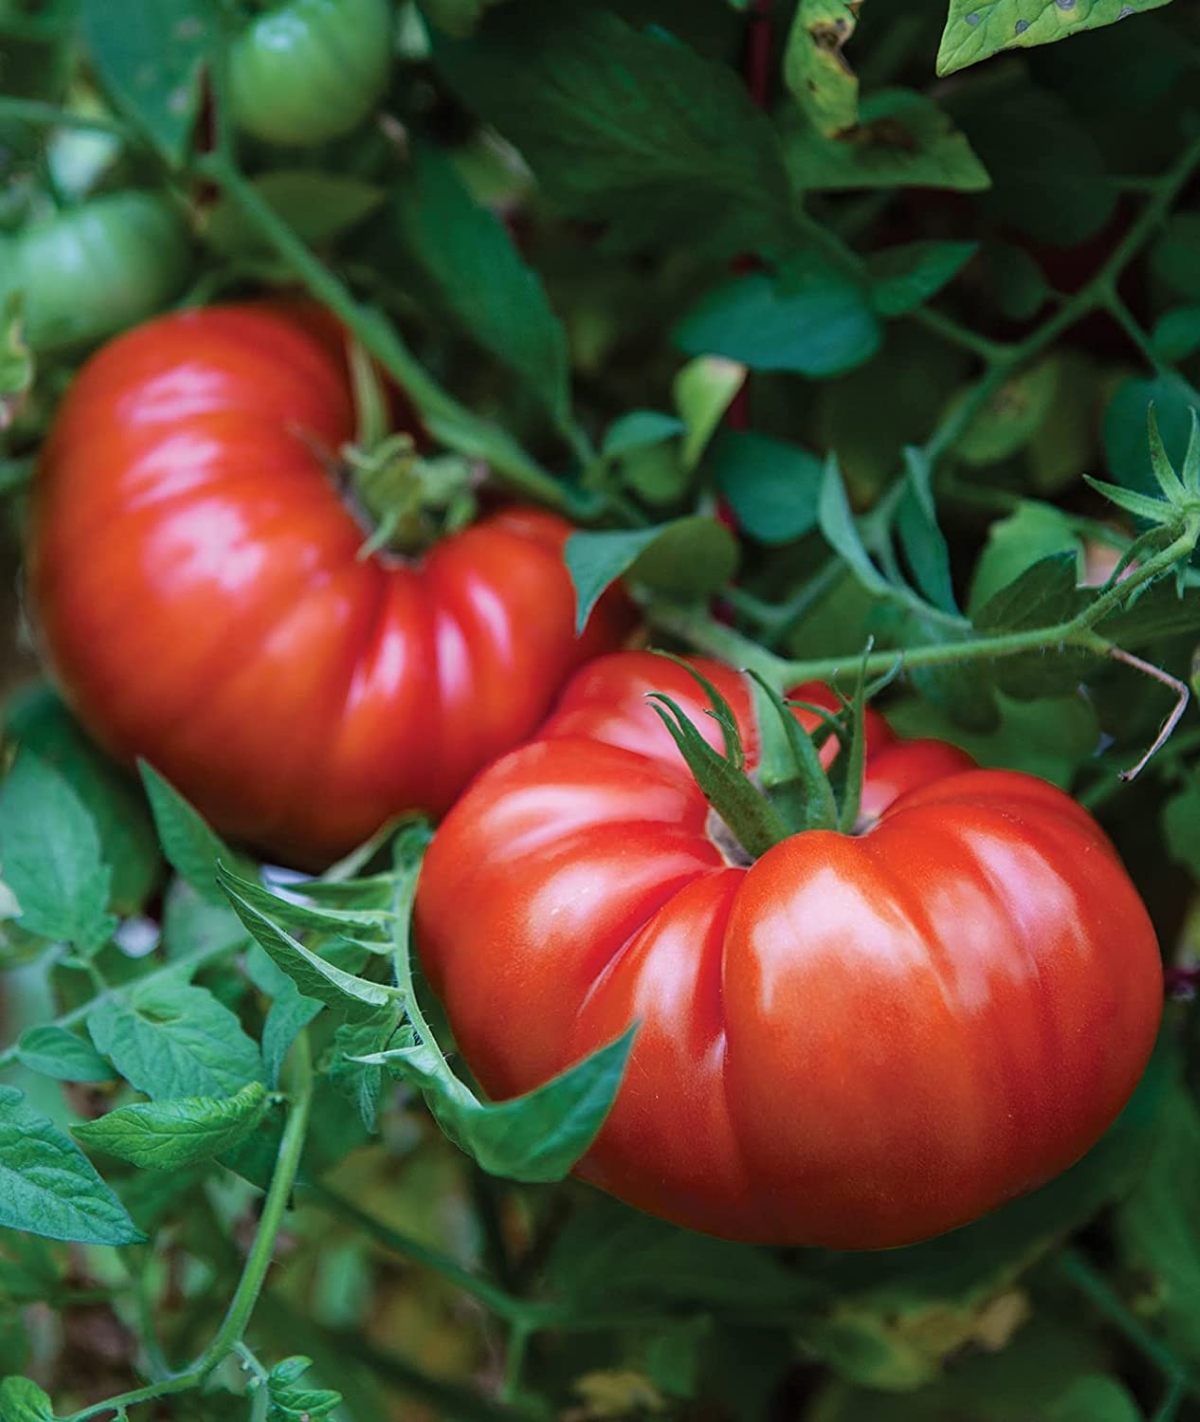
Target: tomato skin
[196,581]
[89,271]
[310,70]
[857,1042]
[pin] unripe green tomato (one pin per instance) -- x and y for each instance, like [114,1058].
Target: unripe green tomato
[310,70]
[88,272]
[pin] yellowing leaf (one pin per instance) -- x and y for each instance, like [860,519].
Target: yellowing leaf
[825,86]
[977,29]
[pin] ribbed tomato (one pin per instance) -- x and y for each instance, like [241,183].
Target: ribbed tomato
[199,592]
[857,1041]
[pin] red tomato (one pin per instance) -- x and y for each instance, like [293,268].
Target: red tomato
[855,1042]
[196,580]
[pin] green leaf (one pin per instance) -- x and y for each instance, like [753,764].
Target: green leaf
[1013,416]
[360,1083]
[637,430]
[41,723]
[317,206]
[57,1053]
[809,317]
[1176,334]
[1181,826]
[478,275]
[1033,532]
[150,59]
[902,278]
[312,974]
[821,81]
[772,487]
[1047,170]
[903,140]
[687,557]
[1018,285]
[837,524]
[1175,256]
[170,1039]
[977,29]
[1157,1225]
[1043,595]
[289,1403]
[536,1137]
[288,1016]
[626,126]
[920,535]
[50,855]
[47,1184]
[21,1400]
[192,848]
[703,390]
[166,1135]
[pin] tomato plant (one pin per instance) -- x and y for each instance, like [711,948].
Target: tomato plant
[370,370]
[227,629]
[305,71]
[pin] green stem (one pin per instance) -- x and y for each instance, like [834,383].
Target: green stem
[258,1261]
[695,627]
[446,419]
[1092,1284]
[491,1296]
[36,111]
[188,965]
[950,330]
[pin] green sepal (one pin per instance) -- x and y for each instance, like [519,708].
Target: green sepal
[752,818]
[1164,473]
[789,768]
[720,710]
[856,759]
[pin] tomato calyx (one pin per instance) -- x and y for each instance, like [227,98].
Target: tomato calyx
[407,499]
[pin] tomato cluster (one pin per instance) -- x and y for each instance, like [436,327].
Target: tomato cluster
[856,1040]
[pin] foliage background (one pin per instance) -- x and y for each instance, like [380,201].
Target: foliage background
[574,231]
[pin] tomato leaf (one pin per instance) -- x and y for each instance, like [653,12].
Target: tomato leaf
[977,29]
[150,59]
[57,1053]
[903,140]
[902,278]
[317,206]
[772,487]
[810,318]
[478,275]
[638,430]
[821,81]
[50,853]
[170,1039]
[686,558]
[47,1184]
[40,722]
[920,535]
[626,126]
[289,1403]
[703,390]
[21,1400]
[536,1137]
[191,846]
[312,974]
[837,524]
[164,1135]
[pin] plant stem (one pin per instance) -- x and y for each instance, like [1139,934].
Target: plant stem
[258,1261]
[695,627]
[36,111]
[1092,1284]
[446,419]
[492,1296]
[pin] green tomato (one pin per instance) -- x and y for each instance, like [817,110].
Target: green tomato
[88,272]
[310,70]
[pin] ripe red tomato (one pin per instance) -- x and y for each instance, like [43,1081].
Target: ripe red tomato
[197,585]
[855,1042]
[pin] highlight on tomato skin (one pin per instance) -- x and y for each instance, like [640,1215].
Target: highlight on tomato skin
[225,627]
[855,1042]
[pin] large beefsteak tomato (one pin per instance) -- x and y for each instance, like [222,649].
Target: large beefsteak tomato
[856,1041]
[198,589]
